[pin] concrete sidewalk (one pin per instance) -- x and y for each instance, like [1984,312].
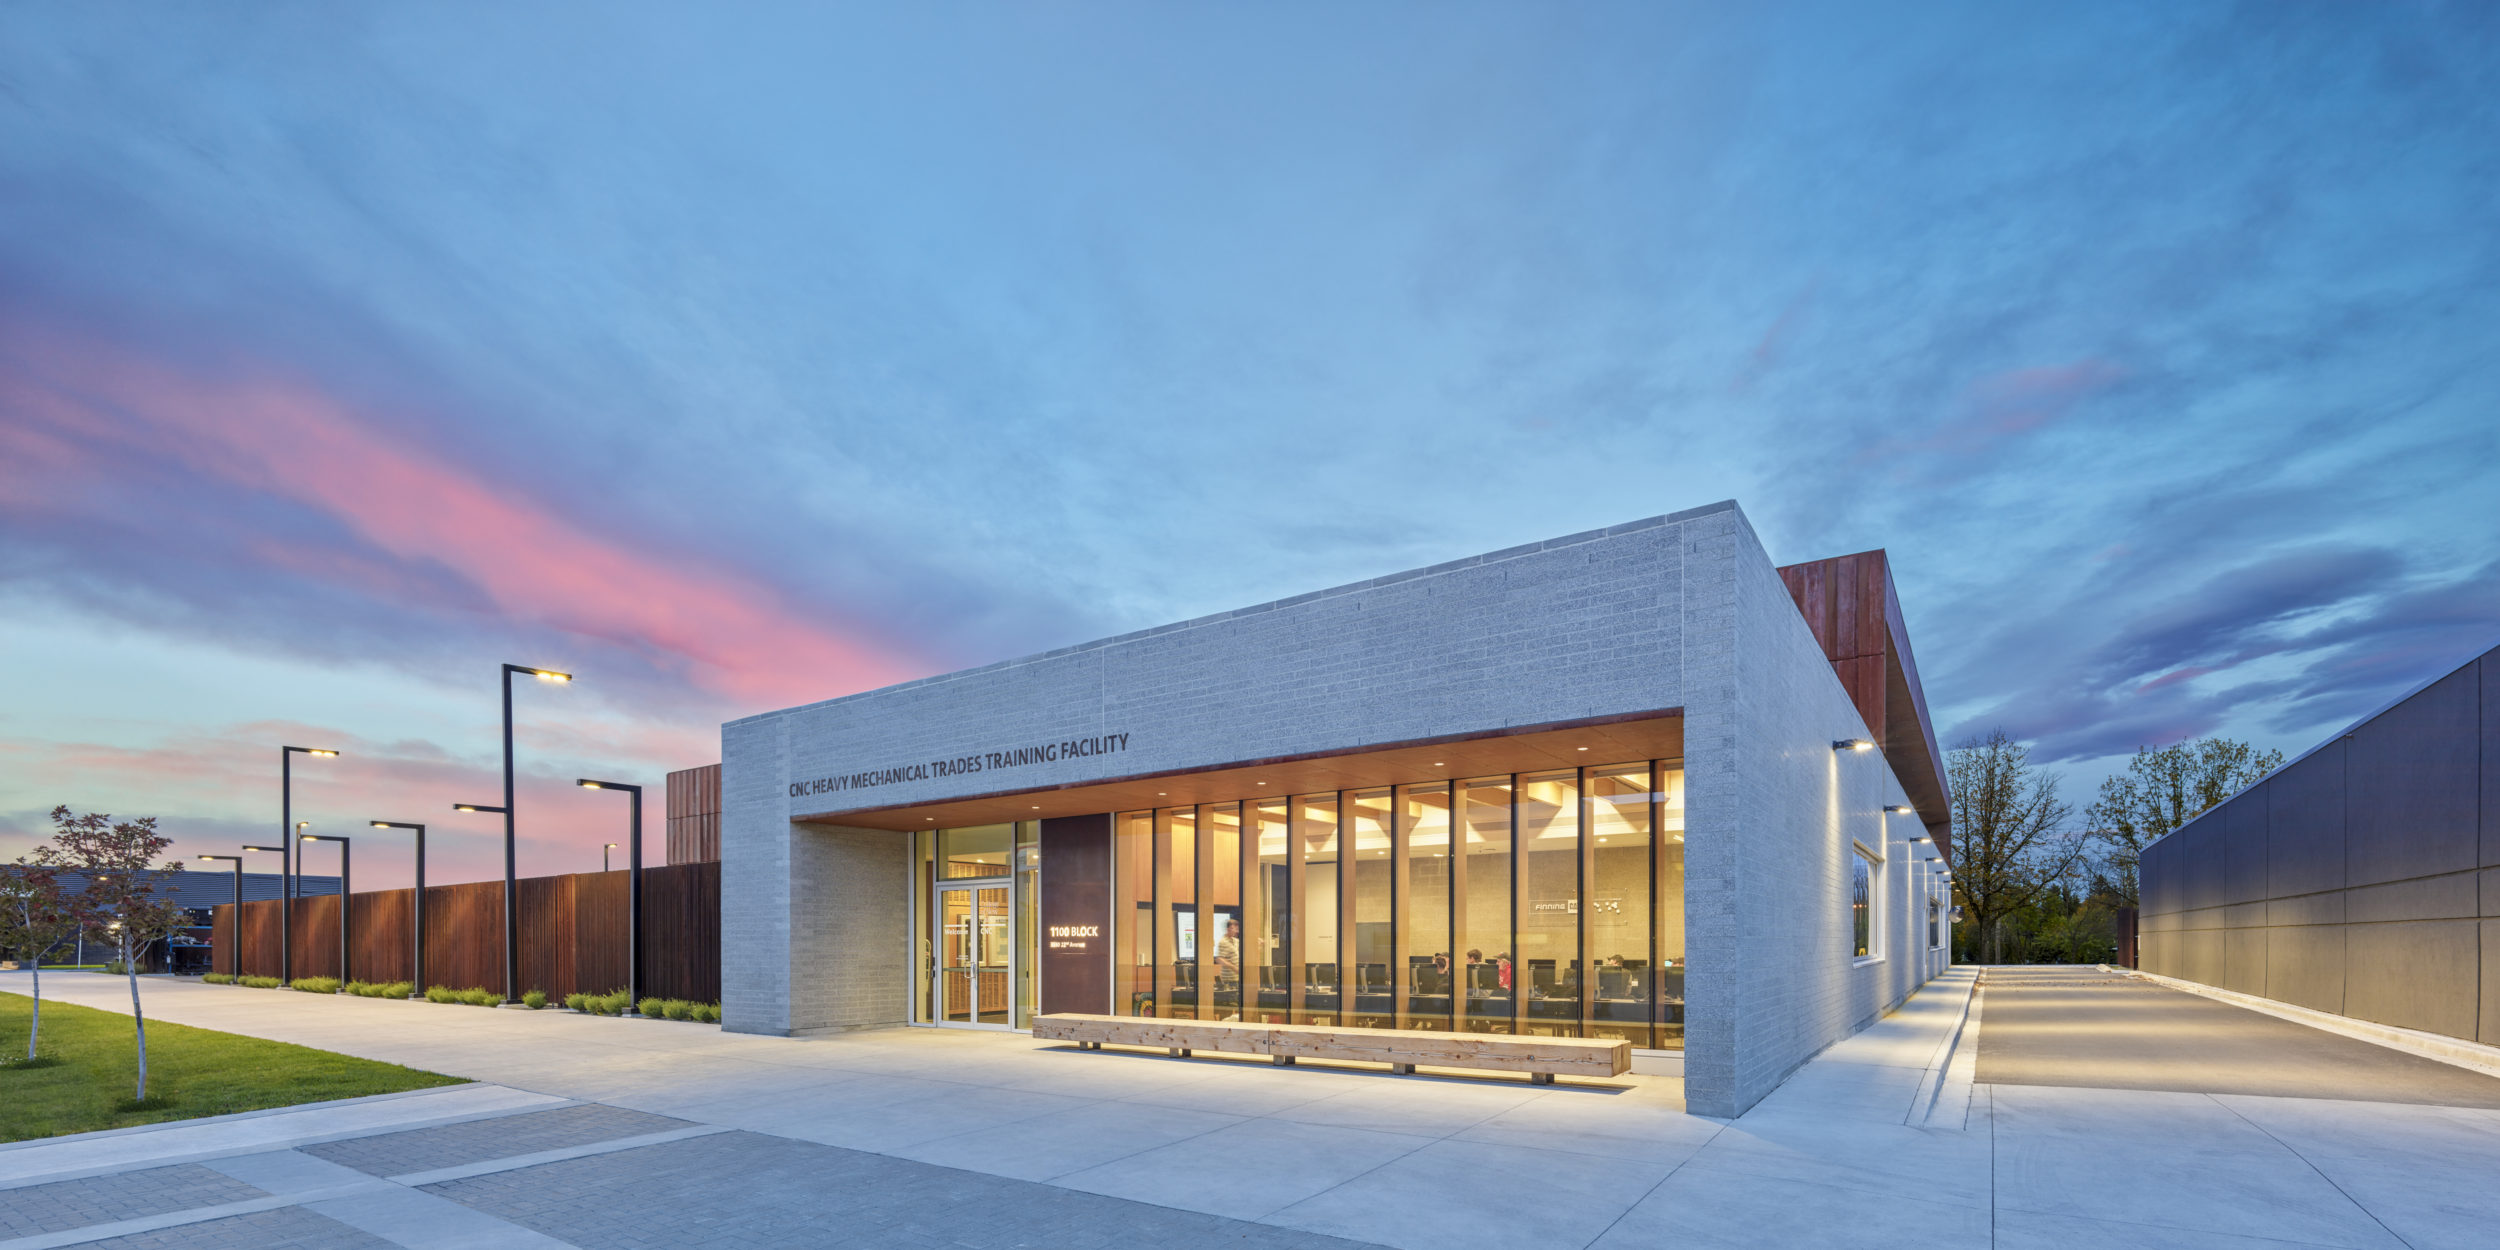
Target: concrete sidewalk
[1884,1140]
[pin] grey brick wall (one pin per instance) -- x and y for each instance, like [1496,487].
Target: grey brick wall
[1682,611]
[1773,810]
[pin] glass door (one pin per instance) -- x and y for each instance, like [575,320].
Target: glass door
[974,963]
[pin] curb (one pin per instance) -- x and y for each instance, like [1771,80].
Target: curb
[1945,1088]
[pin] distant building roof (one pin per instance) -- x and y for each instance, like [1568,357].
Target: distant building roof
[208,889]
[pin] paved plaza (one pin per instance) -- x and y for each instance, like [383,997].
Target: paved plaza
[602,1132]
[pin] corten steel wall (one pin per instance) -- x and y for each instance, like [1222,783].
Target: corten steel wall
[572,934]
[2362,878]
[694,815]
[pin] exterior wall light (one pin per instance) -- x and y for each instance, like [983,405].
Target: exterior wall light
[1900,809]
[1852,744]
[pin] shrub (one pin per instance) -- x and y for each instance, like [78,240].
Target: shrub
[652,1007]
[441,994]
[534,999]
[381,989]
[612,1003]
[708,1013]
[481,997]
[219,978]
[316,985]
[678,1009]
[262,983]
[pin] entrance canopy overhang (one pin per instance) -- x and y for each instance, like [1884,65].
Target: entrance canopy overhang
[1525,749]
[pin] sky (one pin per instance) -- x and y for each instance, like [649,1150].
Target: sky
[738,357]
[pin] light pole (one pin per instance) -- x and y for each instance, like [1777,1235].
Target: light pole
[511,903]
[633,891]
[417,958]
[286,867]
[282,935]
[234,957]
[604,848]
[344,884]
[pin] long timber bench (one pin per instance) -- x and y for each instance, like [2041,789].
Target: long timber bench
[1542,1058]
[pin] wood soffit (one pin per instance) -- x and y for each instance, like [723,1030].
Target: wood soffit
[1610,740]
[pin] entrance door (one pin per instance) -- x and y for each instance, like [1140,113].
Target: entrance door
[974,955]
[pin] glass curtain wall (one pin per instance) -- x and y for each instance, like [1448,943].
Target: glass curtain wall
[1542,903]
[974,911]
[1272,911]
[1315,962]
[1422,854]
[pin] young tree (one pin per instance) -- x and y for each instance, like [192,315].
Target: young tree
[2162,790]
[36,916]
[124,903]
[2010,843]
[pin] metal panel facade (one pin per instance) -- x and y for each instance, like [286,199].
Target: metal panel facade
[2380,897]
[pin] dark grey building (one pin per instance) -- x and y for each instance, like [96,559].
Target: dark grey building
[2362,878]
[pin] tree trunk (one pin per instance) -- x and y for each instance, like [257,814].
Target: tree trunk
[34,1024]
[138,1021]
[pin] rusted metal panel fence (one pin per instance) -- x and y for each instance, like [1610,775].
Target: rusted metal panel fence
[572,934]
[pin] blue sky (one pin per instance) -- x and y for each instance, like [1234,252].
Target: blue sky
[746,358]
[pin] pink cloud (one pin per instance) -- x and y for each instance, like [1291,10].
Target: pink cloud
[2177,676]
[2008,404]
[2019,400]
[212,789]
[78,407]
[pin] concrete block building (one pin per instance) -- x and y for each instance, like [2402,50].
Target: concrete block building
[2362,878]
[1637,782]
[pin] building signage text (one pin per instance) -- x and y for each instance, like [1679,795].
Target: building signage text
[1073,937]
[963,765]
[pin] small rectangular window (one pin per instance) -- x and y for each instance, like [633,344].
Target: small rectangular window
[1865,927]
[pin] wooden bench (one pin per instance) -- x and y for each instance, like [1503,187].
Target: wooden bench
[1542,1058]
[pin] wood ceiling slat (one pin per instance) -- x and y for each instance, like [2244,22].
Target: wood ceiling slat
[1613,740]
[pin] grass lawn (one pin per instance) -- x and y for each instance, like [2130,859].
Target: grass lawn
[197,1071]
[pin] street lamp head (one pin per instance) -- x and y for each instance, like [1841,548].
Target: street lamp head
[587,784]
[542,674]
[279,849]
[608,846]
[324,752]
[474,807]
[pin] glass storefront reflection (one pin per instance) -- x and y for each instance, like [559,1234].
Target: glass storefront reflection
[1543,903]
